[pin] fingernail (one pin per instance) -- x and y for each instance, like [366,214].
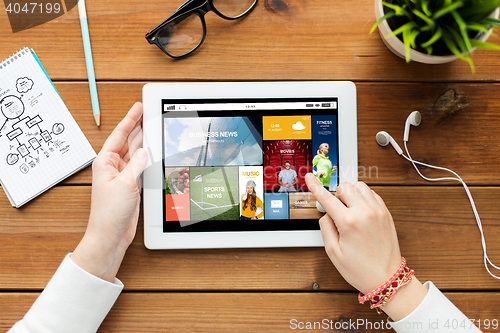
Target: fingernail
[310,176]
[141,153]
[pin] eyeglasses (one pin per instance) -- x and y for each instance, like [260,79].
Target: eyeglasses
[184,31]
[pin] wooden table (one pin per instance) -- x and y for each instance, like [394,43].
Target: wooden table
[250,290]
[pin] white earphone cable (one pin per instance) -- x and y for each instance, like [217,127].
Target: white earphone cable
[459,179]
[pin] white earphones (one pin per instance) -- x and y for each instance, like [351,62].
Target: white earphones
[413,119]
[383,138]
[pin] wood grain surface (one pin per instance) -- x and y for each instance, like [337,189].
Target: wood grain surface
[255,312]
[279,40]
[437,232]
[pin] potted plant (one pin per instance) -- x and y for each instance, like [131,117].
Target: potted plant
[436,31]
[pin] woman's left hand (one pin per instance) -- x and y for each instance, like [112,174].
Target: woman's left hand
[116,189]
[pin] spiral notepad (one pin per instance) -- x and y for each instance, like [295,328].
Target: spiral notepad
[40,142]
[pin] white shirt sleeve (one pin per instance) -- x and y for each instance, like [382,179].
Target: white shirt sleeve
[436,313]
[73,301]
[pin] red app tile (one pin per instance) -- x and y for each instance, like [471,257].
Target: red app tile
[177,207]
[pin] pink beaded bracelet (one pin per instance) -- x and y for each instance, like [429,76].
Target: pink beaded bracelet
[384,293]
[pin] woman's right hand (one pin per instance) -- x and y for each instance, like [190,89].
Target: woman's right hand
[359,234]
[361,241]
[244,197]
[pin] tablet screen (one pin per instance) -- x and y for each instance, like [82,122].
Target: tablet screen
[240,165]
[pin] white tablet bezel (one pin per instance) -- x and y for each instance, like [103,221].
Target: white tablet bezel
[153,93]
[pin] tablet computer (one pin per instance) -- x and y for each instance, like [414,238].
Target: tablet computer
[227,161]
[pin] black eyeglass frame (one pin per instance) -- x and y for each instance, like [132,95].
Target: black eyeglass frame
[183,12]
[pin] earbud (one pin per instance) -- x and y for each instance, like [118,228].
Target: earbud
[383,138]
[413,119]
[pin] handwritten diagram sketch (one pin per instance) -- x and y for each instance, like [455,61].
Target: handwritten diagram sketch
[40,141]
[30,137]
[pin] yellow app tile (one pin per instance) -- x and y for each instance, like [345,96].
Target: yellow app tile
[286,128]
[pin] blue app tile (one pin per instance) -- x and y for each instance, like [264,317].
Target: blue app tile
[276,206]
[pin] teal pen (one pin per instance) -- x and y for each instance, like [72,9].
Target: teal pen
[88,60]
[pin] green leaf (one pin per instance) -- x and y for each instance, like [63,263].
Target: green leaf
[471,64]
[453,48]
[447,9]
[475,12]
[477,27]
[428,49]
[458,39]
[406,41]
[490,21]
[434,38]
[451,44]
[385,17]
[405,27]
[430,22]
[425,8]
[463,30]
[409,3]
[400,11]
[412,36]
[484,45]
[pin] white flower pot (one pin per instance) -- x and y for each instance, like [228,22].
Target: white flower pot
[398,48]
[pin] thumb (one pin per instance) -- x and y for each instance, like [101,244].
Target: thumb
[135,166]
[331,236]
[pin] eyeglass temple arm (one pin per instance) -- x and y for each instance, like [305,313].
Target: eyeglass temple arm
[149,34]
[183,7]
[185,4]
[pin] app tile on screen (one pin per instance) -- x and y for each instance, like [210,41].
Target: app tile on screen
[251,191]
[177,194]
[277,154]
[214,193]
[212,141]
[286,127]
[325,149]
[276,206]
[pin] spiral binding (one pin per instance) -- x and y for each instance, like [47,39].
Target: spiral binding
[14,57]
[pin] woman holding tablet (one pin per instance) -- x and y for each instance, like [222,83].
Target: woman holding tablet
[358,231]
